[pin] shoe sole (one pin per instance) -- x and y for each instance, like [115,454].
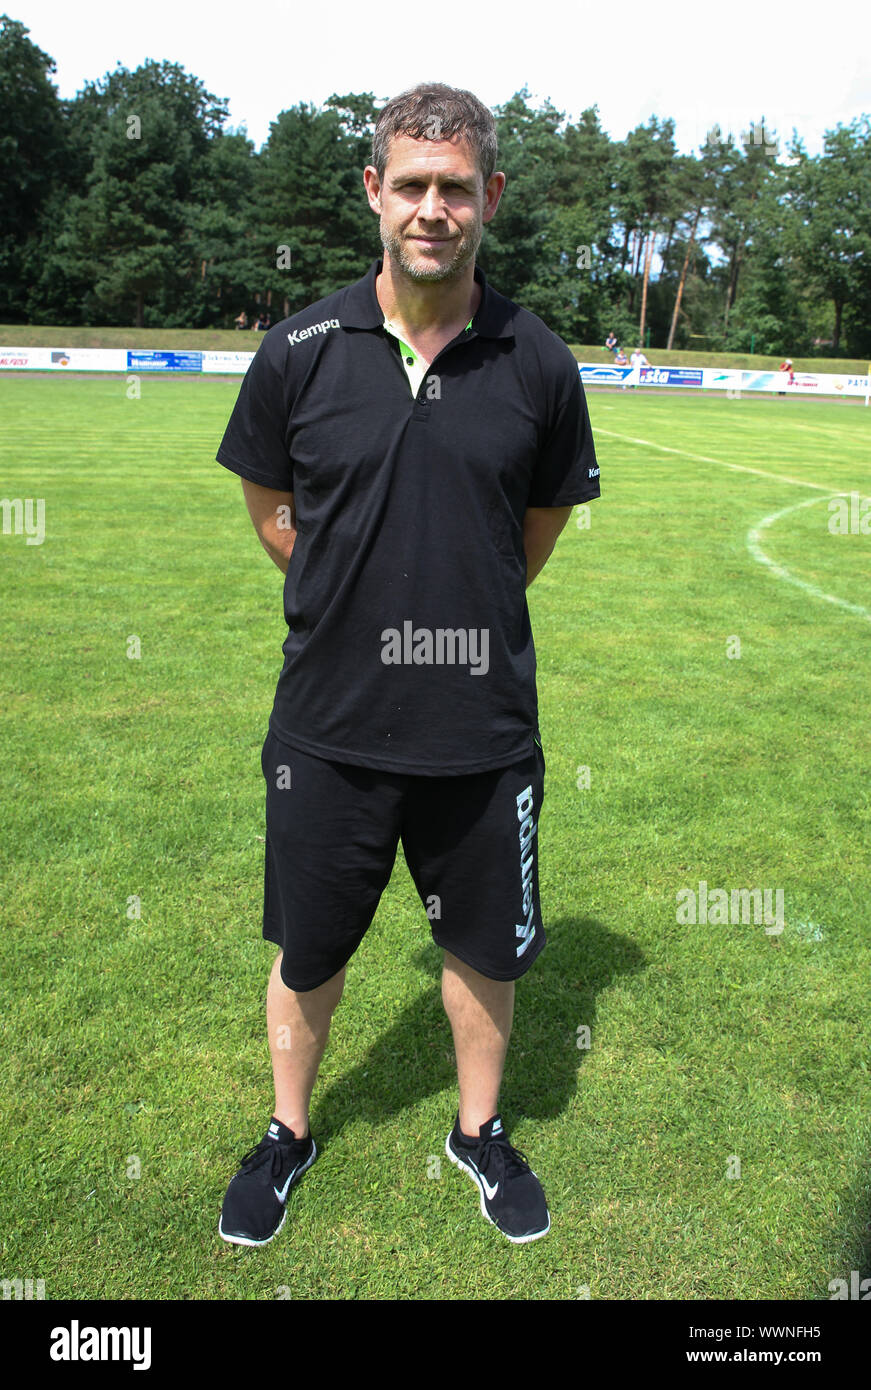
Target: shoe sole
[515,1240]
[233,1239]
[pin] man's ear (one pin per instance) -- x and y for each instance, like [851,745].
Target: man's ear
[372,184]
[492,193]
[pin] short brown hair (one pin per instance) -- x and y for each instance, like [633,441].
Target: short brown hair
[432,110]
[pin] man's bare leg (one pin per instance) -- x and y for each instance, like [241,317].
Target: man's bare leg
[299,1026]
[480,1012]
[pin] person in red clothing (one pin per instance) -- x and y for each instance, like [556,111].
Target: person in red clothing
[786,366]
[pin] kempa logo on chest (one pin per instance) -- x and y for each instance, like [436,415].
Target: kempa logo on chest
[299,334]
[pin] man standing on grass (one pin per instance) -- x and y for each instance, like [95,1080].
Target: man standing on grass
[637,361]
[410,448]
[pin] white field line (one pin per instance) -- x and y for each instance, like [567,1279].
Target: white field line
[753,539]
[704,458]
[781,571]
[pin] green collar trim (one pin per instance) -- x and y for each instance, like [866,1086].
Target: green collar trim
[406,349]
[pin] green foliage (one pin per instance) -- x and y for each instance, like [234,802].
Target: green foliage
[32,152]
[220,232]
[830,200]
[310,199]
[530,155]
[133,204]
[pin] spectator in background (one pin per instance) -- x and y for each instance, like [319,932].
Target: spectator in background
[637,361]
[263,322]
[241,320]
[620,358]
[611,343]
[786,366]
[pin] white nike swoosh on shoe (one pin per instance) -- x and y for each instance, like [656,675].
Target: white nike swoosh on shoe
[283,1193]
[490,1191]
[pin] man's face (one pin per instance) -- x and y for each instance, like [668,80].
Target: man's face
[432,205]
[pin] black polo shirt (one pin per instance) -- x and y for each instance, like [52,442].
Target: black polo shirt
[409,645]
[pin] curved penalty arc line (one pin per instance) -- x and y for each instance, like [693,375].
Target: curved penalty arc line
[781,572]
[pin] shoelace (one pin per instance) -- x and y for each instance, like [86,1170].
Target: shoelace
[497,1147]
[267,1151]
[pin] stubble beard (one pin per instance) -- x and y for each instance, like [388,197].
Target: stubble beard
[401,256]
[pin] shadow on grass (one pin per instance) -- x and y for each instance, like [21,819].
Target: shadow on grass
[856,1268]
[864,1260]
[414,1057]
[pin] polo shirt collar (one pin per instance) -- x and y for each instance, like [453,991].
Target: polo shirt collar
[494,317]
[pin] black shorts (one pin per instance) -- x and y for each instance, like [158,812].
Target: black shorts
[470,842]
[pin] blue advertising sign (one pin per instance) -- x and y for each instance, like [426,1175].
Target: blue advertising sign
[139,360]
[671,376]
[603,376]
[650,376]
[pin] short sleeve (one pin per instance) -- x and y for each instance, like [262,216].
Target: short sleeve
[566,471]
[255,440]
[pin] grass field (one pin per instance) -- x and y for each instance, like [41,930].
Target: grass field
[712,1141]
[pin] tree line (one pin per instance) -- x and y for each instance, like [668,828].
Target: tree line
[135,204]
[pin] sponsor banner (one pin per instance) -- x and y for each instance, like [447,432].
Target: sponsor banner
[597,375]
[672,376]
[592,373]
[143,361]
[828,384]
[64,359]
[14,359]
[716,379]
[764,381]
[728,379]
[805,383]
[89,359]
[227,361]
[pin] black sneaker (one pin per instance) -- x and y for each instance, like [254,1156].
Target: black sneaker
[511,1195]
[256,1201]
